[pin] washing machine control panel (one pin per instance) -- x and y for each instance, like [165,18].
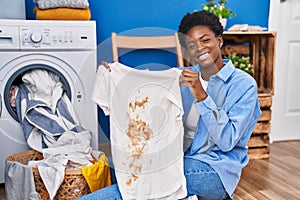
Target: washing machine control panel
[56,38]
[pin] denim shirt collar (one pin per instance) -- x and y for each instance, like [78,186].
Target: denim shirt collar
[226,71]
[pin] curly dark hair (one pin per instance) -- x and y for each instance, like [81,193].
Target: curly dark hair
[199,18]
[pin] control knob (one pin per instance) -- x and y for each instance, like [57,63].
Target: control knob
[36,37]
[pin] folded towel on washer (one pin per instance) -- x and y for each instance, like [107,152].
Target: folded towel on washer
[46,4]
[63,14]
[44,109]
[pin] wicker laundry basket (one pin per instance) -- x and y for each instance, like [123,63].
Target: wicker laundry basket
[73,186]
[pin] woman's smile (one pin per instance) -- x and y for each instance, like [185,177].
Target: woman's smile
[203,57]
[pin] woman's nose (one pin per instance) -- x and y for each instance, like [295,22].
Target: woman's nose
[200,45]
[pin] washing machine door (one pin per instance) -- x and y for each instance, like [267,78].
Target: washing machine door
[11,74]
[12,139]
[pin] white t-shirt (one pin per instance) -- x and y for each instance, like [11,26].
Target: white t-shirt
[146,130]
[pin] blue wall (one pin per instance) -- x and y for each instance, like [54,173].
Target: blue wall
[132,16]
[122,15]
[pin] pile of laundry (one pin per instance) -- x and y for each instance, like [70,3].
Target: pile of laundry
[62,10]
[50,126]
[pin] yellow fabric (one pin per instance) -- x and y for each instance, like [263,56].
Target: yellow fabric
[98,175]
[62,14]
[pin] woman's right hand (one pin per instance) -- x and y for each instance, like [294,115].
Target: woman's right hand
[106,65]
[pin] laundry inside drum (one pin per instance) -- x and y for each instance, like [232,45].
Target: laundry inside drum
[17,79]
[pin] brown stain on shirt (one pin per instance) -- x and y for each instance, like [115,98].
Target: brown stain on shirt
[139,133]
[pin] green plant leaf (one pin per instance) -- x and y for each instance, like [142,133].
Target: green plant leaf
[241,62]
[219,9]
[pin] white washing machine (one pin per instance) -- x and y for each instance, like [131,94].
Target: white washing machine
[66,48]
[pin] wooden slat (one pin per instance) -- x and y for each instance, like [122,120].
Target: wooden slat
[146,42]
[153,42]
[262,127]
[259,140]
[259,153]
[262,73]
[250,33]
[265,100]
[266,115]
[254,58]
[236,38]
[238,49]
[271,55]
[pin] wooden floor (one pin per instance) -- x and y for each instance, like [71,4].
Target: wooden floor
[276,178]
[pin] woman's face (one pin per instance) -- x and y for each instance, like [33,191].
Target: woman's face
[204,47]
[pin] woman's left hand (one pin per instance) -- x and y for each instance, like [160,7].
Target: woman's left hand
[191,79]
[106,65]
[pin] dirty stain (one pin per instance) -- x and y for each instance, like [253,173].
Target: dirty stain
[139,133]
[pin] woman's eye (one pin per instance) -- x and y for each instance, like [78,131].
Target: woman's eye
[206,40]
[192,46]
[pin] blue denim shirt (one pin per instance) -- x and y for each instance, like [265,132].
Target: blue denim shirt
[227,118]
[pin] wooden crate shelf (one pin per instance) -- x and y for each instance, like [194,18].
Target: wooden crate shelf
[260,140]
[260,47]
